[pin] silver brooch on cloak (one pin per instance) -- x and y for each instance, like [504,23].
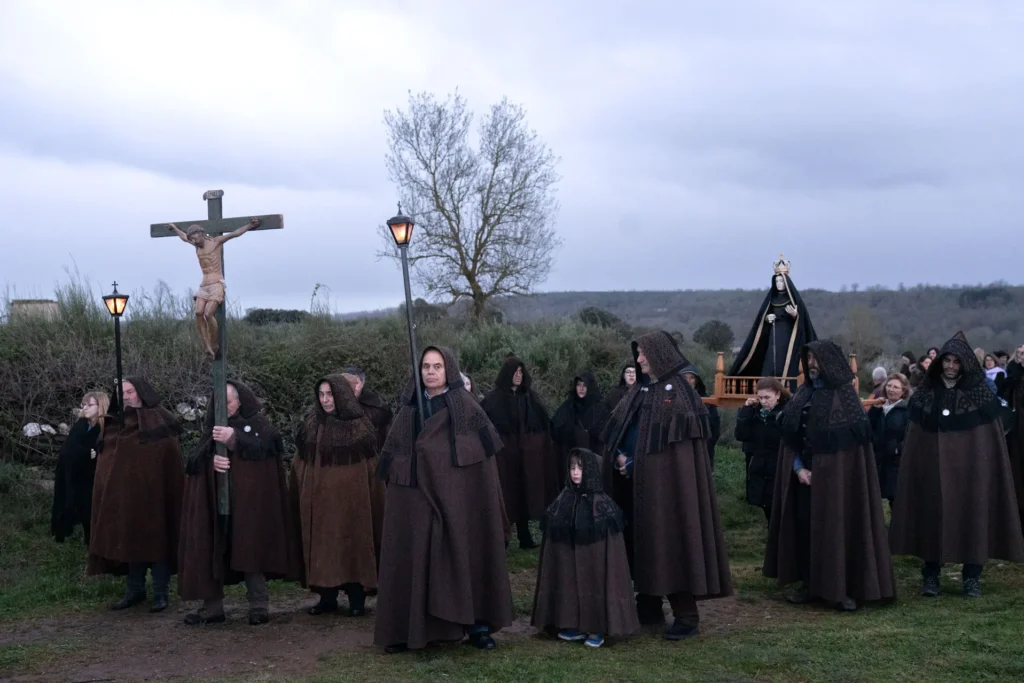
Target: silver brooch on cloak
[945,412]
[668,387]
[247,428]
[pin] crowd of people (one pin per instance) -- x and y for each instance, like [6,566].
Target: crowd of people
[418,508]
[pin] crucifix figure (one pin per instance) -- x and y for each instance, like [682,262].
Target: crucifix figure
[210,295]
[209,237]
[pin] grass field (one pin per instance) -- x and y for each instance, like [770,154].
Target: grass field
[755,637]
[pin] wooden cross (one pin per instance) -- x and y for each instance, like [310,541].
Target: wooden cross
[216,225]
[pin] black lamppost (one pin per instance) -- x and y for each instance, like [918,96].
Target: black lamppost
[401,229]
[116,303]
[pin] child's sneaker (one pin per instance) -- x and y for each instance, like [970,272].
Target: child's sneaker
[594,640]
[571,635]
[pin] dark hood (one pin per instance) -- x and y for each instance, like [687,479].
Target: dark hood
[593,390]
[971,372]
[592,481]
[249,405]
[692,370]
[507,371]
[662,353]
[833,367]
[346,405]
[147,394]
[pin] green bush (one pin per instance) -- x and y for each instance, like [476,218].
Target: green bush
[45,367]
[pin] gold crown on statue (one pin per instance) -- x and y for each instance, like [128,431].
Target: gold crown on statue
[781,266]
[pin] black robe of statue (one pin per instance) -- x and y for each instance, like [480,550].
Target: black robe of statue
[773,350]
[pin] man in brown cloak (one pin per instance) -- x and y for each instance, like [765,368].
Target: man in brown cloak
[528,462]
[340,501]
[257,545]
[955,500]
[657,438]
[373,405]
[136,500]
[827,526]
[443,570]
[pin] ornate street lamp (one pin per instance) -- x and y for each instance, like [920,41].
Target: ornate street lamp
[116,303]
[401,229]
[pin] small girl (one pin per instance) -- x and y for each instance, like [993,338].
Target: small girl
[583,583]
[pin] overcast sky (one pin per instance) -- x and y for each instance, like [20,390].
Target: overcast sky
[871,141]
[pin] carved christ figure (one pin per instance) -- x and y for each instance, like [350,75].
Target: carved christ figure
[210,252]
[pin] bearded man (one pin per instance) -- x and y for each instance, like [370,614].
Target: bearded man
[955,500]
[257,544]
[827,526]
[443,572]
[657,438]
[136,501]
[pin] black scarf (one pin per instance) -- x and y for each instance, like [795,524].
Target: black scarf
[583,513]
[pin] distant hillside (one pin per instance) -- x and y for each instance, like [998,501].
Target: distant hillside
[895,320]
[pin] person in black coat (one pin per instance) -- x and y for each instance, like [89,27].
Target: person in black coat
[76,469]
[579,420]
[714,418]
[759,430]
[889,423]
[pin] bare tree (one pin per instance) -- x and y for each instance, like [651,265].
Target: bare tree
[484,217]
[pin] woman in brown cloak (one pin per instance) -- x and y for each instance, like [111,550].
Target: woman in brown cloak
[443,570]
[827,526]
[583,584]
[528,462]
[955,500]
[258,544]
[136,500]
[657,437]
[340,501]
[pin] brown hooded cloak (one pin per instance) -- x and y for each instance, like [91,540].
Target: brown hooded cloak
[678,545]
[583,580]
[136,500]
[379,413]
[528,461]
[259,539]
[340,501]
[828,428]
[443,556]
[955,501]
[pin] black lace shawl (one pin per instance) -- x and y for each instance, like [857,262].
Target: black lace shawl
[836,421]
[504,407]
[675,410]
[583,513]
[969,404]
[465,417]
[346,436]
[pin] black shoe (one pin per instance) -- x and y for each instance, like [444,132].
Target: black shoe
[801,596]
[159,603]
[357,602]
[357,611]
[395,649]
[847,605]
[972,588]
[680,630]
[649,611]
[930,587]
[482,640]
[258,616]
[323,608]
[199,618]
[129,600]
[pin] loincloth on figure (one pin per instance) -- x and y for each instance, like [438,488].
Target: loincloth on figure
[211,292]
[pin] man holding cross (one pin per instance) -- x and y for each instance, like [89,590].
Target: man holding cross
[210,251]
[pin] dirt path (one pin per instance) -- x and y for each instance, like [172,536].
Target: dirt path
[135,645]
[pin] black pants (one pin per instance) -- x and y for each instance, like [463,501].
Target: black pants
[329,596]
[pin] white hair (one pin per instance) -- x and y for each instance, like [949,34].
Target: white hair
[879,374]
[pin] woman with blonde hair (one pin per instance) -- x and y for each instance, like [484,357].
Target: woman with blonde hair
[889,423]
[76,468]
